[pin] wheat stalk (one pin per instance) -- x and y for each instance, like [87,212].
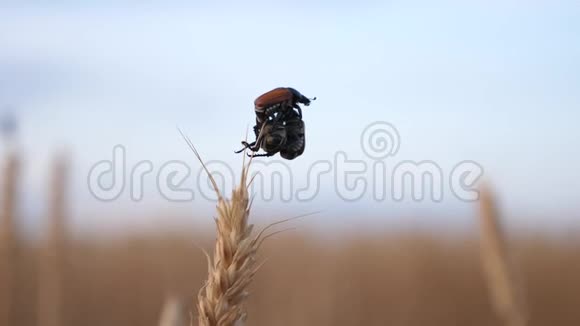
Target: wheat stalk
[232,268]
[52,253]
[8,238]
[496,265]
[172,313]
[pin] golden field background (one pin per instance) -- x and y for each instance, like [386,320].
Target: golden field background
[411,278]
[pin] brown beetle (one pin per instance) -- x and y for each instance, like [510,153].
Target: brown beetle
[277,102]
[279,128]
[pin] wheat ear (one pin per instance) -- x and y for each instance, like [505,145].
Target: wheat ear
[234,264]
[498,271]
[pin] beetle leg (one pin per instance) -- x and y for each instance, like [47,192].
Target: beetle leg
[258,128]
[252,146]
[255,148]
[261,155]
[299,109]
[255,145]
[246,146]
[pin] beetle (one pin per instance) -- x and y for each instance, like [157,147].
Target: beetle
[279,127]
[287,137]
[277,102]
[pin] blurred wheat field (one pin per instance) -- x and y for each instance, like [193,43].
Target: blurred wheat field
[412,278]
[404,280]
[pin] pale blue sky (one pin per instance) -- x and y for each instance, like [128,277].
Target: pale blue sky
[495,82]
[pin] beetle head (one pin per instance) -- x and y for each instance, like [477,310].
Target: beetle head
[299,98]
